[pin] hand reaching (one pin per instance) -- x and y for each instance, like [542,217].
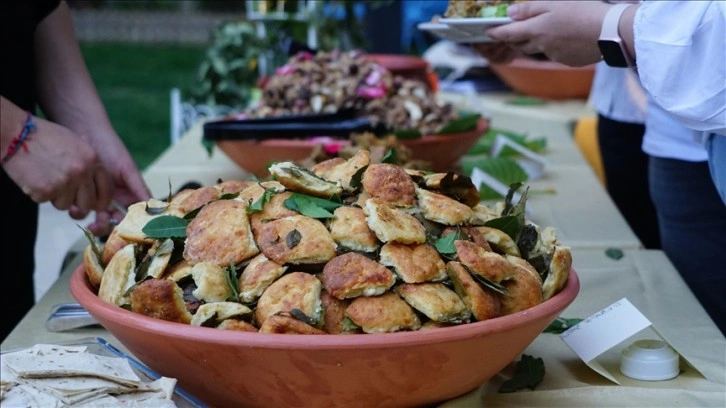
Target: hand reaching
[61,168]
[128,185]
[565,31]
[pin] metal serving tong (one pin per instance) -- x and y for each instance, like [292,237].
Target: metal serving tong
[67,316]
[338,125]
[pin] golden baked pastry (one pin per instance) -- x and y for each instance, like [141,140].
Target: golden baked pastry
[385,313]
[119,276]
[93,267]
[413,263]
[237,325]
[113,244]
[397,250]
[160,299]
[212,314]
[273,209]
[211,281]
[352,274]
[391,224]
[293,291]
[302,180]
[343,171]
[524,291]
[257,276]
[436,301]
[334,314]
[442,209]
[390,184]
[196,199]
[296,240]
[220,234]
[284,323]
[489,265]
[559,271]
[138,215]
[483,303]
[350,230]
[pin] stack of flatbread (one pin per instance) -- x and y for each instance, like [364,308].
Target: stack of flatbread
[51,376]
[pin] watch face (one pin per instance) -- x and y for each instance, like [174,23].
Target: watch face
[613,53]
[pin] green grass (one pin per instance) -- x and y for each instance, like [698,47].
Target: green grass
[134,81]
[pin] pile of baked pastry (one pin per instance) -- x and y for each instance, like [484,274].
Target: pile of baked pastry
[347,246]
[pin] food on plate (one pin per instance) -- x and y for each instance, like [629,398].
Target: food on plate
[48,375]
[478,8]
[393,250]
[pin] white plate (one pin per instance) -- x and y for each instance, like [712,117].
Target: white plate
[475,27]
[454,35]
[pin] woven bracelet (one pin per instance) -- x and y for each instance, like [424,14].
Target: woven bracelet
[19,140]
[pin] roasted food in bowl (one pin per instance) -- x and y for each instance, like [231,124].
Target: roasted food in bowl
[340,284]
[330,83]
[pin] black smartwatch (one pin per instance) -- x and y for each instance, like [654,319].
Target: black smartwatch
[611,45]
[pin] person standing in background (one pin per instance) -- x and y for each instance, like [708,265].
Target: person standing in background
[71,157]
[621,105]
[680,53]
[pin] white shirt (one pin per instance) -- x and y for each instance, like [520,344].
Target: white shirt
[681,56]
[617,94]
[666,137]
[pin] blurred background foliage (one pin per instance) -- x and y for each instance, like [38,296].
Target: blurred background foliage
[134,78]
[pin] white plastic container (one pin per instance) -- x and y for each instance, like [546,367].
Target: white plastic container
[649,360]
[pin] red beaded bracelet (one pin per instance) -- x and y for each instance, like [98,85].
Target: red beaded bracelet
[19,140]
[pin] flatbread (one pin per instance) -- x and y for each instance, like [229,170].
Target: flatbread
[47,375]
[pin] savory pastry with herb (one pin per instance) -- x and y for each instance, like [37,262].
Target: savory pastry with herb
[347,247]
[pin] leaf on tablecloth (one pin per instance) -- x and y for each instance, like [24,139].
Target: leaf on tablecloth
[561,325]
[528,374]
[614,253]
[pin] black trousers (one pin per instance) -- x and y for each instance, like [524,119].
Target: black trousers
[692,219]
[19,254]
[626,177]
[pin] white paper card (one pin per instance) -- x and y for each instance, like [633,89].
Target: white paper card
[606,329]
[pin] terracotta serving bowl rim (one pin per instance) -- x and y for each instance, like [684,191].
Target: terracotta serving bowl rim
[81,291]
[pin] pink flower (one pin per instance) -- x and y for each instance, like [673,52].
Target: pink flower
[285,70]
[330,146]
[371,92]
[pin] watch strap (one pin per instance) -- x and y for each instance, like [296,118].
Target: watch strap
[610,24]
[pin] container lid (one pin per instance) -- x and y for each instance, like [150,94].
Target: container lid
[649,360]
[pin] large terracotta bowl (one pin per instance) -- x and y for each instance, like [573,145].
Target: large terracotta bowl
[546,79]
[229,368]
[442,151]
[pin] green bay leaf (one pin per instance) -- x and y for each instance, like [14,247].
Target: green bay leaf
[166,226]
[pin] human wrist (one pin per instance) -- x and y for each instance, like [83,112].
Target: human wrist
[13,120]
[626,30]
[611,43]
[19,142]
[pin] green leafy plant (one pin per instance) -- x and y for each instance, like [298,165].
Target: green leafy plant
[229,72]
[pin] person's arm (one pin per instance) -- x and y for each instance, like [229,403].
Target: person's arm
[69,97]
[565,31]
[52,163]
